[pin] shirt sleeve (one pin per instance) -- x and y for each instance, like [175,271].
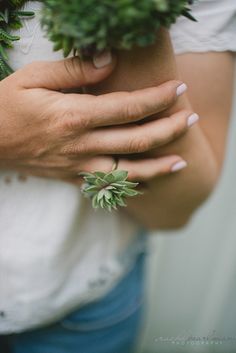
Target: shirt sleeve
[215,29]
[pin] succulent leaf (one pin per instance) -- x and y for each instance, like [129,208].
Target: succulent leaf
[109,190]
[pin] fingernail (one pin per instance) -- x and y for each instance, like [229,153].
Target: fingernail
[193,119]
[181,89]
[102,60]
[178,166]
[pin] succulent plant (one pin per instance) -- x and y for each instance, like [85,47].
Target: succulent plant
[90,26]
[108,190]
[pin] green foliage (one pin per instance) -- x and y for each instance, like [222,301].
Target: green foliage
[10,16]
[109,190]
[90,26]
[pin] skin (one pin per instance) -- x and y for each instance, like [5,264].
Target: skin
[218,72]
[50,134]
[170,200]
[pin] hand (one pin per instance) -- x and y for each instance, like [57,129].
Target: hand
[47,133]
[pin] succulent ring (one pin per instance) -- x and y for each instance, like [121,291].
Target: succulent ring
[108,190]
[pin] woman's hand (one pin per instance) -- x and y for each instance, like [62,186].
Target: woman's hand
[47,133]
[170,200]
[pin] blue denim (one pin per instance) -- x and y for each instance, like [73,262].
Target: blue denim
[110,325]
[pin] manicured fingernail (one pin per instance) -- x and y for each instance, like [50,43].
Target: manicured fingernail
[178,166]
[102,60]
[181,89]
[193,119]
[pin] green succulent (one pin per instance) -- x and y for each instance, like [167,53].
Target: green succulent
[108,190]
[90,26]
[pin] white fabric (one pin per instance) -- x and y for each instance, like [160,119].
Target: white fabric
[56,253]
[192,272]
[214,31]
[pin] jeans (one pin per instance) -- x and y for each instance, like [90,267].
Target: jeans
[110,325]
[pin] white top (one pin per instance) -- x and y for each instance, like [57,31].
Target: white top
[214,31]
[56,253]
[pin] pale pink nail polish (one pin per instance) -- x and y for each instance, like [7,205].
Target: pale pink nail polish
[181,89]
[178,166]
[102,60]
[193,119]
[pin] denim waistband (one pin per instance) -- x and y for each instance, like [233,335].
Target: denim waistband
[121,302]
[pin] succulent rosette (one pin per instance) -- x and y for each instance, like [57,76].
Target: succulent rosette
[108,190]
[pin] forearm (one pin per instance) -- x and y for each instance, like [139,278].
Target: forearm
[170,200]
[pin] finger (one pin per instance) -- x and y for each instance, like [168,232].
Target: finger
[91,165]
[138,170]
[98,163]
[147,169]
[123,107]
[64,74]
[133,139]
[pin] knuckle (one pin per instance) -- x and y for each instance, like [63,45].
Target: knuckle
[69,66]
[131,109]
[66,121]
[169,94]
[83,119]
[69,124]
[74,119]
[171,87]
[167,100]
[179,125]
[177,129]
[74,68]
[133,175]
[139,145]
[74,149]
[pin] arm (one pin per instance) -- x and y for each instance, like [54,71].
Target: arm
[169,201]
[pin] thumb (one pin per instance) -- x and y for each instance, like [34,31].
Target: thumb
[65,74]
